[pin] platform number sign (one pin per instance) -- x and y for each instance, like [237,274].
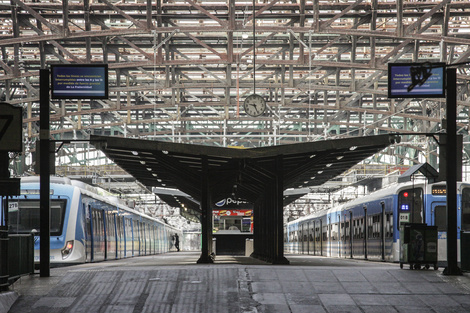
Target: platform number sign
[11,131]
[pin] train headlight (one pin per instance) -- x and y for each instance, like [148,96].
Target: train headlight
[67,250]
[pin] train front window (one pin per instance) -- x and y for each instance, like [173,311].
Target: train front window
[410,206]
[25,218]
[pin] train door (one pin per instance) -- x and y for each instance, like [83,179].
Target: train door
[439,219]
[347,242]
[311,237]
[136,232]
[120,230]
[118,235]
[365,231]
[329,238]
[99,238]
[88,233]
[305,238]
[324,237]
[339,233]
[351,234]
[318,236]
[382,231]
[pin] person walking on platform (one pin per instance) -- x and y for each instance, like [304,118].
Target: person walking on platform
[177,242]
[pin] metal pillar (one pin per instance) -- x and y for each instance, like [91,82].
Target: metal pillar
[206,217]
[451,160]
[268,217]
[4,173]
[44,193]
[278,236]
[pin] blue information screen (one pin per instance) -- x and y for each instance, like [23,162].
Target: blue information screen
[405,207]
[416,80]
[79,81]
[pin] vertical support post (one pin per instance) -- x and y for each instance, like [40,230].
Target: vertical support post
[278,213]
[206,217]
[4,173]
[451,145]
[44,192]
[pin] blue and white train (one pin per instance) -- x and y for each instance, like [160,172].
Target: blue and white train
[86,224]
[368,227]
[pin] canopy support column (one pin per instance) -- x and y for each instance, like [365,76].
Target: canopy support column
[206,216]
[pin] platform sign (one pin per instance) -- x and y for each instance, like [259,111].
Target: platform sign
[416,80]
[11,128]
[79,81]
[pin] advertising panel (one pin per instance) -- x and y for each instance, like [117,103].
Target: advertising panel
[79,81]
[416,80]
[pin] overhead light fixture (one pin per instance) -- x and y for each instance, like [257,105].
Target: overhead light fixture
[135,153]
[353,148]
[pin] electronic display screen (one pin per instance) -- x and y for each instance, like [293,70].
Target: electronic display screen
[405,207]
[79,81]
[439,190]
[416,80]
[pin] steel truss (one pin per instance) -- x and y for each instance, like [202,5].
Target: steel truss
[179,70]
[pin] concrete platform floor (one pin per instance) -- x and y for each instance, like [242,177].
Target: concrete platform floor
[174,283]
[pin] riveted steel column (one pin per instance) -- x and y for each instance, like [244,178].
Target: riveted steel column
[451,147]
[44,180]
[206,217]
[278,208]
[4,245]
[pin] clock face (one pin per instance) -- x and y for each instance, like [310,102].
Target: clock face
[254,105]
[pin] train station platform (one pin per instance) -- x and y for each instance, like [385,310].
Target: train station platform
[174,283]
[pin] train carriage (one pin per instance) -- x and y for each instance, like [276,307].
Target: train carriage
[87,225]
[368,227]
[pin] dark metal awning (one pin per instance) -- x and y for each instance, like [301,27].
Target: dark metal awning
[237,172]
[426,169]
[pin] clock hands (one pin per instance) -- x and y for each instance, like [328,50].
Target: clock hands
[254,105]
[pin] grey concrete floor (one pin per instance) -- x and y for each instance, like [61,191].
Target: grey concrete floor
[174,283]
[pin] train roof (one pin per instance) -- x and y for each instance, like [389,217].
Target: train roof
[95,192]
[373,196]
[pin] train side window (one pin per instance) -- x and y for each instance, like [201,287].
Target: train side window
[465,209]
[440,217]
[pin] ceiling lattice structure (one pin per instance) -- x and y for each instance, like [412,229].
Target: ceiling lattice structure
[180,70]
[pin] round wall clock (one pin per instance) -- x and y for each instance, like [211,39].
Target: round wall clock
[254,105]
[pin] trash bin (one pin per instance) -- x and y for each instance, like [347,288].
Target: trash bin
[465,251]
[418,245]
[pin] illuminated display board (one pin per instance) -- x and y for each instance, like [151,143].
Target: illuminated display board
[439,190]
[400,78]
[79,81]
